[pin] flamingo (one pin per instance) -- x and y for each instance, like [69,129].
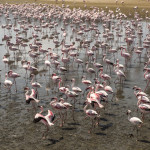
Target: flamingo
[47,62]
[59,106]
[147,77]
[126,55]
[89,70]
[86,82]
[120,74]
[35,84]
[25,66]
[56,78]
[75,88]
[134,120]
[13,75]
[31,68]
[32,97]
[144,108]
[8,83]
[97,65]
[91,113]
[104,76]
[94,99]
[46,120]
[5,60]
[108,62]
[67,105]
[108,88]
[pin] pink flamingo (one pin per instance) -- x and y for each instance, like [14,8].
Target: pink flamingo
[35,84]
[32,97]
[7,83]
[46,120]
[94,99]
[147,77]
[75,88]
[108,89]
[126,55]
[92,114]
[119,73]
[31,68]
[47,62]
[104,76]
[13,75]
[135,121]
[67,105]
[108,62]
[5,60]
[59,106]
[89,70]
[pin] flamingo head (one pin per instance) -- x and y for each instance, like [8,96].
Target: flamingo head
[128,112]
[10,72]
[61,100]
[26,88]
[86,63]
[32,75]
[89,87]
[73,79]
[101,69]
[104,55]
[136,88]
[54,98]
[54,74]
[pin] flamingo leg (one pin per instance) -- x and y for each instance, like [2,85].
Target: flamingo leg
[147,85]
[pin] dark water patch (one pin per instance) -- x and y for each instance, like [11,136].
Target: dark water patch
[74,123]
[68,128]
[100,133]
[105,127]
[78,110]
[54,141]
[110,114]
[10,62]
[144,141]
[128,87]
[103,119]
[115,104]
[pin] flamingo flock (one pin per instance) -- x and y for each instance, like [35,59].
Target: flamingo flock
[77,54]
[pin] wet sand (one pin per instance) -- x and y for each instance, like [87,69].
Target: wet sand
[16,117]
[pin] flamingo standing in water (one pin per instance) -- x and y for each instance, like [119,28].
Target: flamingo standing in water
[7,83]
[75,88]
[147,77]
[67,105]
[120,74]
[105,77]
[35,84]
[59,106]
[125,54]
[46,120]
[31,68]
[108,88]
[13,75]
[47,62]
[5,60]
[134,120]
[92,114]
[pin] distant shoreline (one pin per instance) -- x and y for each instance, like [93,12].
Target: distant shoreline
[127,7]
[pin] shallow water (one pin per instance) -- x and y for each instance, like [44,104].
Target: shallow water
[16,117]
